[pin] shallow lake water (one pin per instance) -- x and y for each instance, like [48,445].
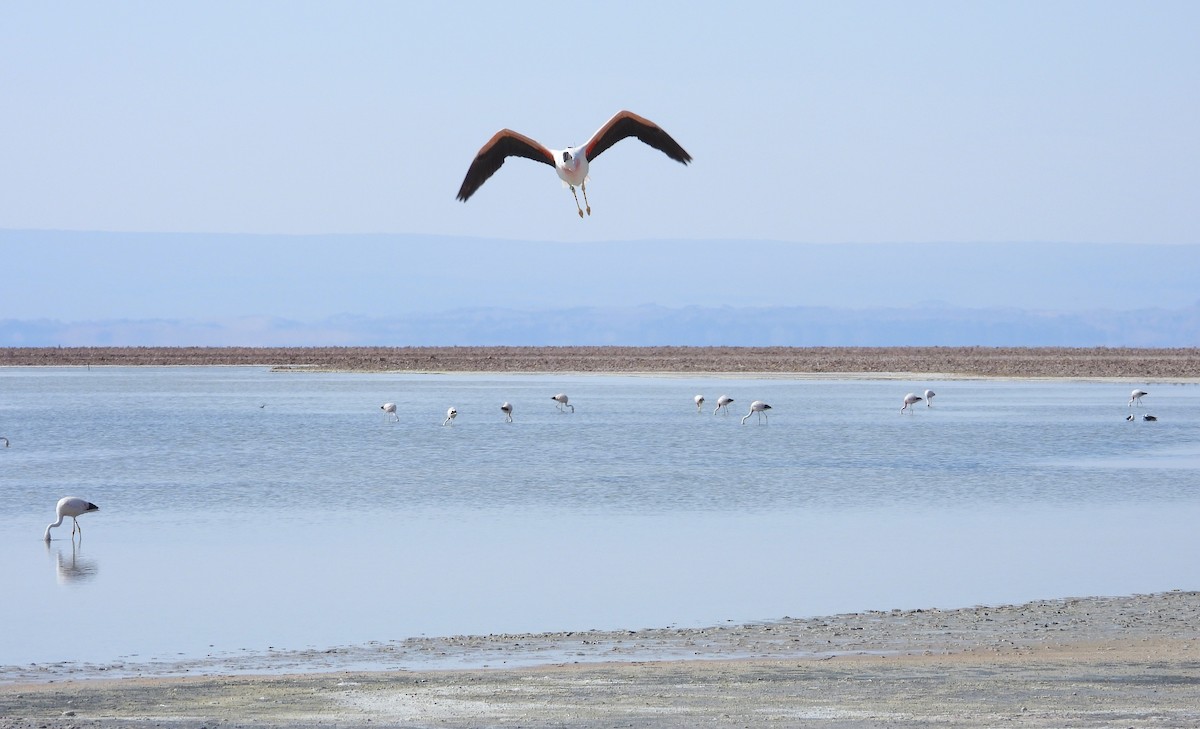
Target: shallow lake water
[244,510]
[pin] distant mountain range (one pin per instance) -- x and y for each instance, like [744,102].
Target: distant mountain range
[175,289]
[645,326]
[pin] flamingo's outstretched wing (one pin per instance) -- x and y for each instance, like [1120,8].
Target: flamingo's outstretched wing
[627,124]
[506,143]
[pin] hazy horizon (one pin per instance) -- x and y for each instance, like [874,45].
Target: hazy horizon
[951,161]
[363,290]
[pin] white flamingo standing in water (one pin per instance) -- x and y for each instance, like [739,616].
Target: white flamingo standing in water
[929,398]
[562,401]
[451,414]
[71,506]
[723,404]
[1136,396]
[506,408]
[389,408]
[909,400]
[760,407]
[699,402]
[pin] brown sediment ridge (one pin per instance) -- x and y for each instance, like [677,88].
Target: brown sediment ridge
[1097,362]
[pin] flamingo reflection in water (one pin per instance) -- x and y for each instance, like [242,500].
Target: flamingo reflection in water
[74,567]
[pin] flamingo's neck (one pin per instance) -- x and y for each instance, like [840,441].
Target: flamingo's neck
[57,523]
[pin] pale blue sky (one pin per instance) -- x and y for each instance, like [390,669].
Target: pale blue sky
[812,122]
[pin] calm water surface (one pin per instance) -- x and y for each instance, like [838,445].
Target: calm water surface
[245,510]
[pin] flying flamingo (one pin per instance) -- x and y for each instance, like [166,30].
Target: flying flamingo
[506,408]
[390,408]
[71,506]
[561,399]
[699,402]
[910,399]
[1136,396]
[929,398]
[571,163]
[451,414]
[758,406]
[723,404]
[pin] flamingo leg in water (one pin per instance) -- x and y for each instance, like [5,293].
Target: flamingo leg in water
[577,204]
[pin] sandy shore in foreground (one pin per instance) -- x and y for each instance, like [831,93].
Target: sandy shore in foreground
[1100,362]
[1128,662]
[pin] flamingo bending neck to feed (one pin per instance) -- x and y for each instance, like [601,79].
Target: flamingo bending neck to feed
[562,401]
[451,414]
[1136,396]
[699,402]
[571,163]
[506,408]
[909,400]
[929,398]
[723,404]
[390,409]
[71,506]
[760,407]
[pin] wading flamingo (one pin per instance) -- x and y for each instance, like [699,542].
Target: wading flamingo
[506,408]
[390,409]
[1136,396]
[723,404]
[451,414]
[929,398]
[71,506]
[760,407]
[562,401]
[909,400]
[699,402]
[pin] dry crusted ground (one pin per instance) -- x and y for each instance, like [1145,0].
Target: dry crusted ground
[1142,364]
[1090,662]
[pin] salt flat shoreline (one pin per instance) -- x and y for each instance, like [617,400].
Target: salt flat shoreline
[1097,661]
[948,362]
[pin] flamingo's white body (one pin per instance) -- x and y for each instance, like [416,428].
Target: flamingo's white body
[451,414]
[1136,397]
[909,400]
[699,402]
[723,404]
[506,408]
[929,398]
[758,406]
[571,164]
[390,409]
[563,401]
[71,506]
